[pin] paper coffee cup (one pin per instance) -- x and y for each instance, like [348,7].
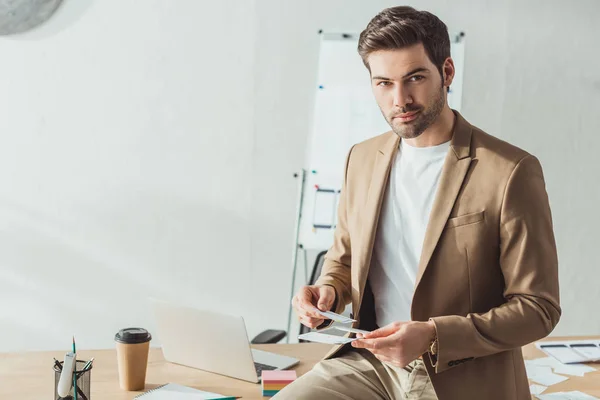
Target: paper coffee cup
[133,345]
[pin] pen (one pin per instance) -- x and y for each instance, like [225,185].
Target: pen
[88,364]
[74,374]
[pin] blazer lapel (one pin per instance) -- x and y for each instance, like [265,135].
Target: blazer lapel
[370,219]
[454,171]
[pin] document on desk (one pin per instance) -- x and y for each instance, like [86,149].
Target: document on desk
[574,395]
[571,351]
[543,374]
[537,389]
[538,364]
[173,391]
[573,369]
[325,338]
[548,378]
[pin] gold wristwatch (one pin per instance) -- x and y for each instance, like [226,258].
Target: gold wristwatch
[433,347]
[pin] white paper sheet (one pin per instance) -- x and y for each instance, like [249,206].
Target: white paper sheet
[539,364]
[334,317]
[548,378]
[571,351]
[589,350]
[324,338]
[545,361]
[574,369]
[563,353]
[533,370]
[324,208]
[537,389]
[345,329]
[174,391]
[574,395]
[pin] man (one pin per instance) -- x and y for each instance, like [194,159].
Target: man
[444,244]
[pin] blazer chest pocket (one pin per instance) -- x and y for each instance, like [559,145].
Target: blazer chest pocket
[466,219]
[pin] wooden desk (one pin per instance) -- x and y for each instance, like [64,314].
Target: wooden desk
[29,376]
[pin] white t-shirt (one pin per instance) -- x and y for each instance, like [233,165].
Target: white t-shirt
[407,203]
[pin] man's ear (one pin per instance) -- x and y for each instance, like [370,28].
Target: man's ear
[448,71]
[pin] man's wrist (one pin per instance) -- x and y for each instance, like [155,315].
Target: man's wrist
[432,332]
[433,342]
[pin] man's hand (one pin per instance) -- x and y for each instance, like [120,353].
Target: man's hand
[398,343]
[309,297]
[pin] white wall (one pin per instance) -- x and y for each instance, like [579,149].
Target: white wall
[125,169]
[148,149]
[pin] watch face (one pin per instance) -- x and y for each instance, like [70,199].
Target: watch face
[18,16]
[433,347]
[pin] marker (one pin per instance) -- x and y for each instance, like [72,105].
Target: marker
[65,382]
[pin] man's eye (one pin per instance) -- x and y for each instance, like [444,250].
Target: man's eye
[416,78]
[384,83]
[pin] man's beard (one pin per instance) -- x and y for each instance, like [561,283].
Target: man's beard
[425,117]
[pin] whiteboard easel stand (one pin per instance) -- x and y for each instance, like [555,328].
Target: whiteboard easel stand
[295,250]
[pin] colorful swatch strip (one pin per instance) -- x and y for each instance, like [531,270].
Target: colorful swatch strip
[274,381]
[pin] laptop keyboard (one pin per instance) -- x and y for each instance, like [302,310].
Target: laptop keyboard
[263,367]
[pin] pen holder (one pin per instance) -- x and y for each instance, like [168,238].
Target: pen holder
[83,381]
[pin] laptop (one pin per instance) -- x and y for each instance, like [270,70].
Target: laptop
[213,342]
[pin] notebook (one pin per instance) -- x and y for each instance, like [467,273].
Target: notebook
[173,391]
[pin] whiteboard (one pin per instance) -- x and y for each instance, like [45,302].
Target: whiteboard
[345,113]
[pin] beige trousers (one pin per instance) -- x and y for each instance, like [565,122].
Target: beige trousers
[359,375]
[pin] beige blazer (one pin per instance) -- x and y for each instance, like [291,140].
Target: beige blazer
[488,273]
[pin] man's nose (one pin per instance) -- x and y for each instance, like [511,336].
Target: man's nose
[402,96]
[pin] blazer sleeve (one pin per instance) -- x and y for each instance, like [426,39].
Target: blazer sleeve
[338,260]
[529,264]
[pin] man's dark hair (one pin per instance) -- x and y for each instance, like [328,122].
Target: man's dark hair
[398,27]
